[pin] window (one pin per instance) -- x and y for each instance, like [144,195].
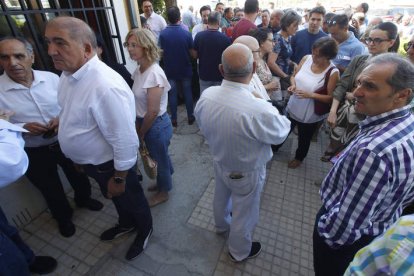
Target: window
[28,18]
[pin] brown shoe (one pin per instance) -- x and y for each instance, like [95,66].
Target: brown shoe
[153,188]
[158,198]
[293,164]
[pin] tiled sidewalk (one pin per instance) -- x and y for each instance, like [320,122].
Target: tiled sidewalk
[184,242]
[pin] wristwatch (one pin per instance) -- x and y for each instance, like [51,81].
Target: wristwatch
[119,180]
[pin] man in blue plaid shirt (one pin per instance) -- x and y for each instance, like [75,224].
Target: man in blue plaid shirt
[372,181]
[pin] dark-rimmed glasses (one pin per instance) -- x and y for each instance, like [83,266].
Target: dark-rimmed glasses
[376,40]
[408,45]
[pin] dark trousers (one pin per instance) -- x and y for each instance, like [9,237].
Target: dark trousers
[305,133]
[333,262]
[43,173]
[132,206]
[15,255]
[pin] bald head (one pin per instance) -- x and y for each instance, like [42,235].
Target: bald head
[237,63]
[248,41]
[77,29]
[251,43]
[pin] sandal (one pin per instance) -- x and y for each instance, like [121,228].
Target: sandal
[293,164]
[158,198]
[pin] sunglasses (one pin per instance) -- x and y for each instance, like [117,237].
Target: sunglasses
[376,40]
[408,45]
[330,22]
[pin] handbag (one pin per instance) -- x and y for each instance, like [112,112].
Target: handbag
[322,108]
[150,165]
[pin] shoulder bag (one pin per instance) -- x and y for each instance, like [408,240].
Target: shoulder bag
[322,108]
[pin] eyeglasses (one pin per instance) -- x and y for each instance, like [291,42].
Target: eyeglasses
[132,45]
[256,51]
[408,45]
[376,40]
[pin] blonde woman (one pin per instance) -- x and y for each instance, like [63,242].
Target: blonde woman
[151,98]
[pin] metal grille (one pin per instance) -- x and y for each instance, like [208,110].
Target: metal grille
[28,18]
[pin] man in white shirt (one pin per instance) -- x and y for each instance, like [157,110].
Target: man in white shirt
[32,96]
[239,129]
[204,12]
[155,22]
[16,257]
[97,126]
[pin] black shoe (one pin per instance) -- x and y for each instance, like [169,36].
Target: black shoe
[254,252]
[66,228]
[91,204]
[115,232]
[139,244]
[191,120]
[43,265]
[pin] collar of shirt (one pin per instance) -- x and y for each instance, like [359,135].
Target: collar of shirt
[78,75]
[381,118]
[240,87]
[10,85]
[6,125]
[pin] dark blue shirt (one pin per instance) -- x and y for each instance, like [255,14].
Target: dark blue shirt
[302,43]
[176,43]
[210,45]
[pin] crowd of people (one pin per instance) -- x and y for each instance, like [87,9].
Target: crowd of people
[260,76]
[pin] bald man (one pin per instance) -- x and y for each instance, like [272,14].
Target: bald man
[255,83]
[97,126]
[239,129]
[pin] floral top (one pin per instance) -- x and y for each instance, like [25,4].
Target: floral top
[284,50]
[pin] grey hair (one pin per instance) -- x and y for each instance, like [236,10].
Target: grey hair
[214,18]
[238,72]
[78,29]
[402,77]
[27,45]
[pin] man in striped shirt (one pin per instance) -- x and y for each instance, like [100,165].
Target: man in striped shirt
[372,181]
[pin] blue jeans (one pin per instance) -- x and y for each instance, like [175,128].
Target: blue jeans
[15,255]
[157,140]
[188,97]
[132,206]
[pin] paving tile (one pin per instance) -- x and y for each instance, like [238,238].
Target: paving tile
[289,203]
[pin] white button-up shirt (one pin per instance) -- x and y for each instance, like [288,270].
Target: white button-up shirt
[35,104]
[239,127]
[97,121]
[13,158]
[156,23]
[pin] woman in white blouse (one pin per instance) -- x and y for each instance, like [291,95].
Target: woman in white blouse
[310,76]
[151,97]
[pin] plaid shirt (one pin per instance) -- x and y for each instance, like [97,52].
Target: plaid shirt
[389,254]
[367,188]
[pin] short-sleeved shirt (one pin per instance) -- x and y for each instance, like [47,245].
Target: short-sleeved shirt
[284,50]
[243,27]
[176,44]
[302,43]
[210,45]
[349,49]
[154,76]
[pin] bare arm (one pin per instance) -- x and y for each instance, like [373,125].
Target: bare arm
[271,62]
